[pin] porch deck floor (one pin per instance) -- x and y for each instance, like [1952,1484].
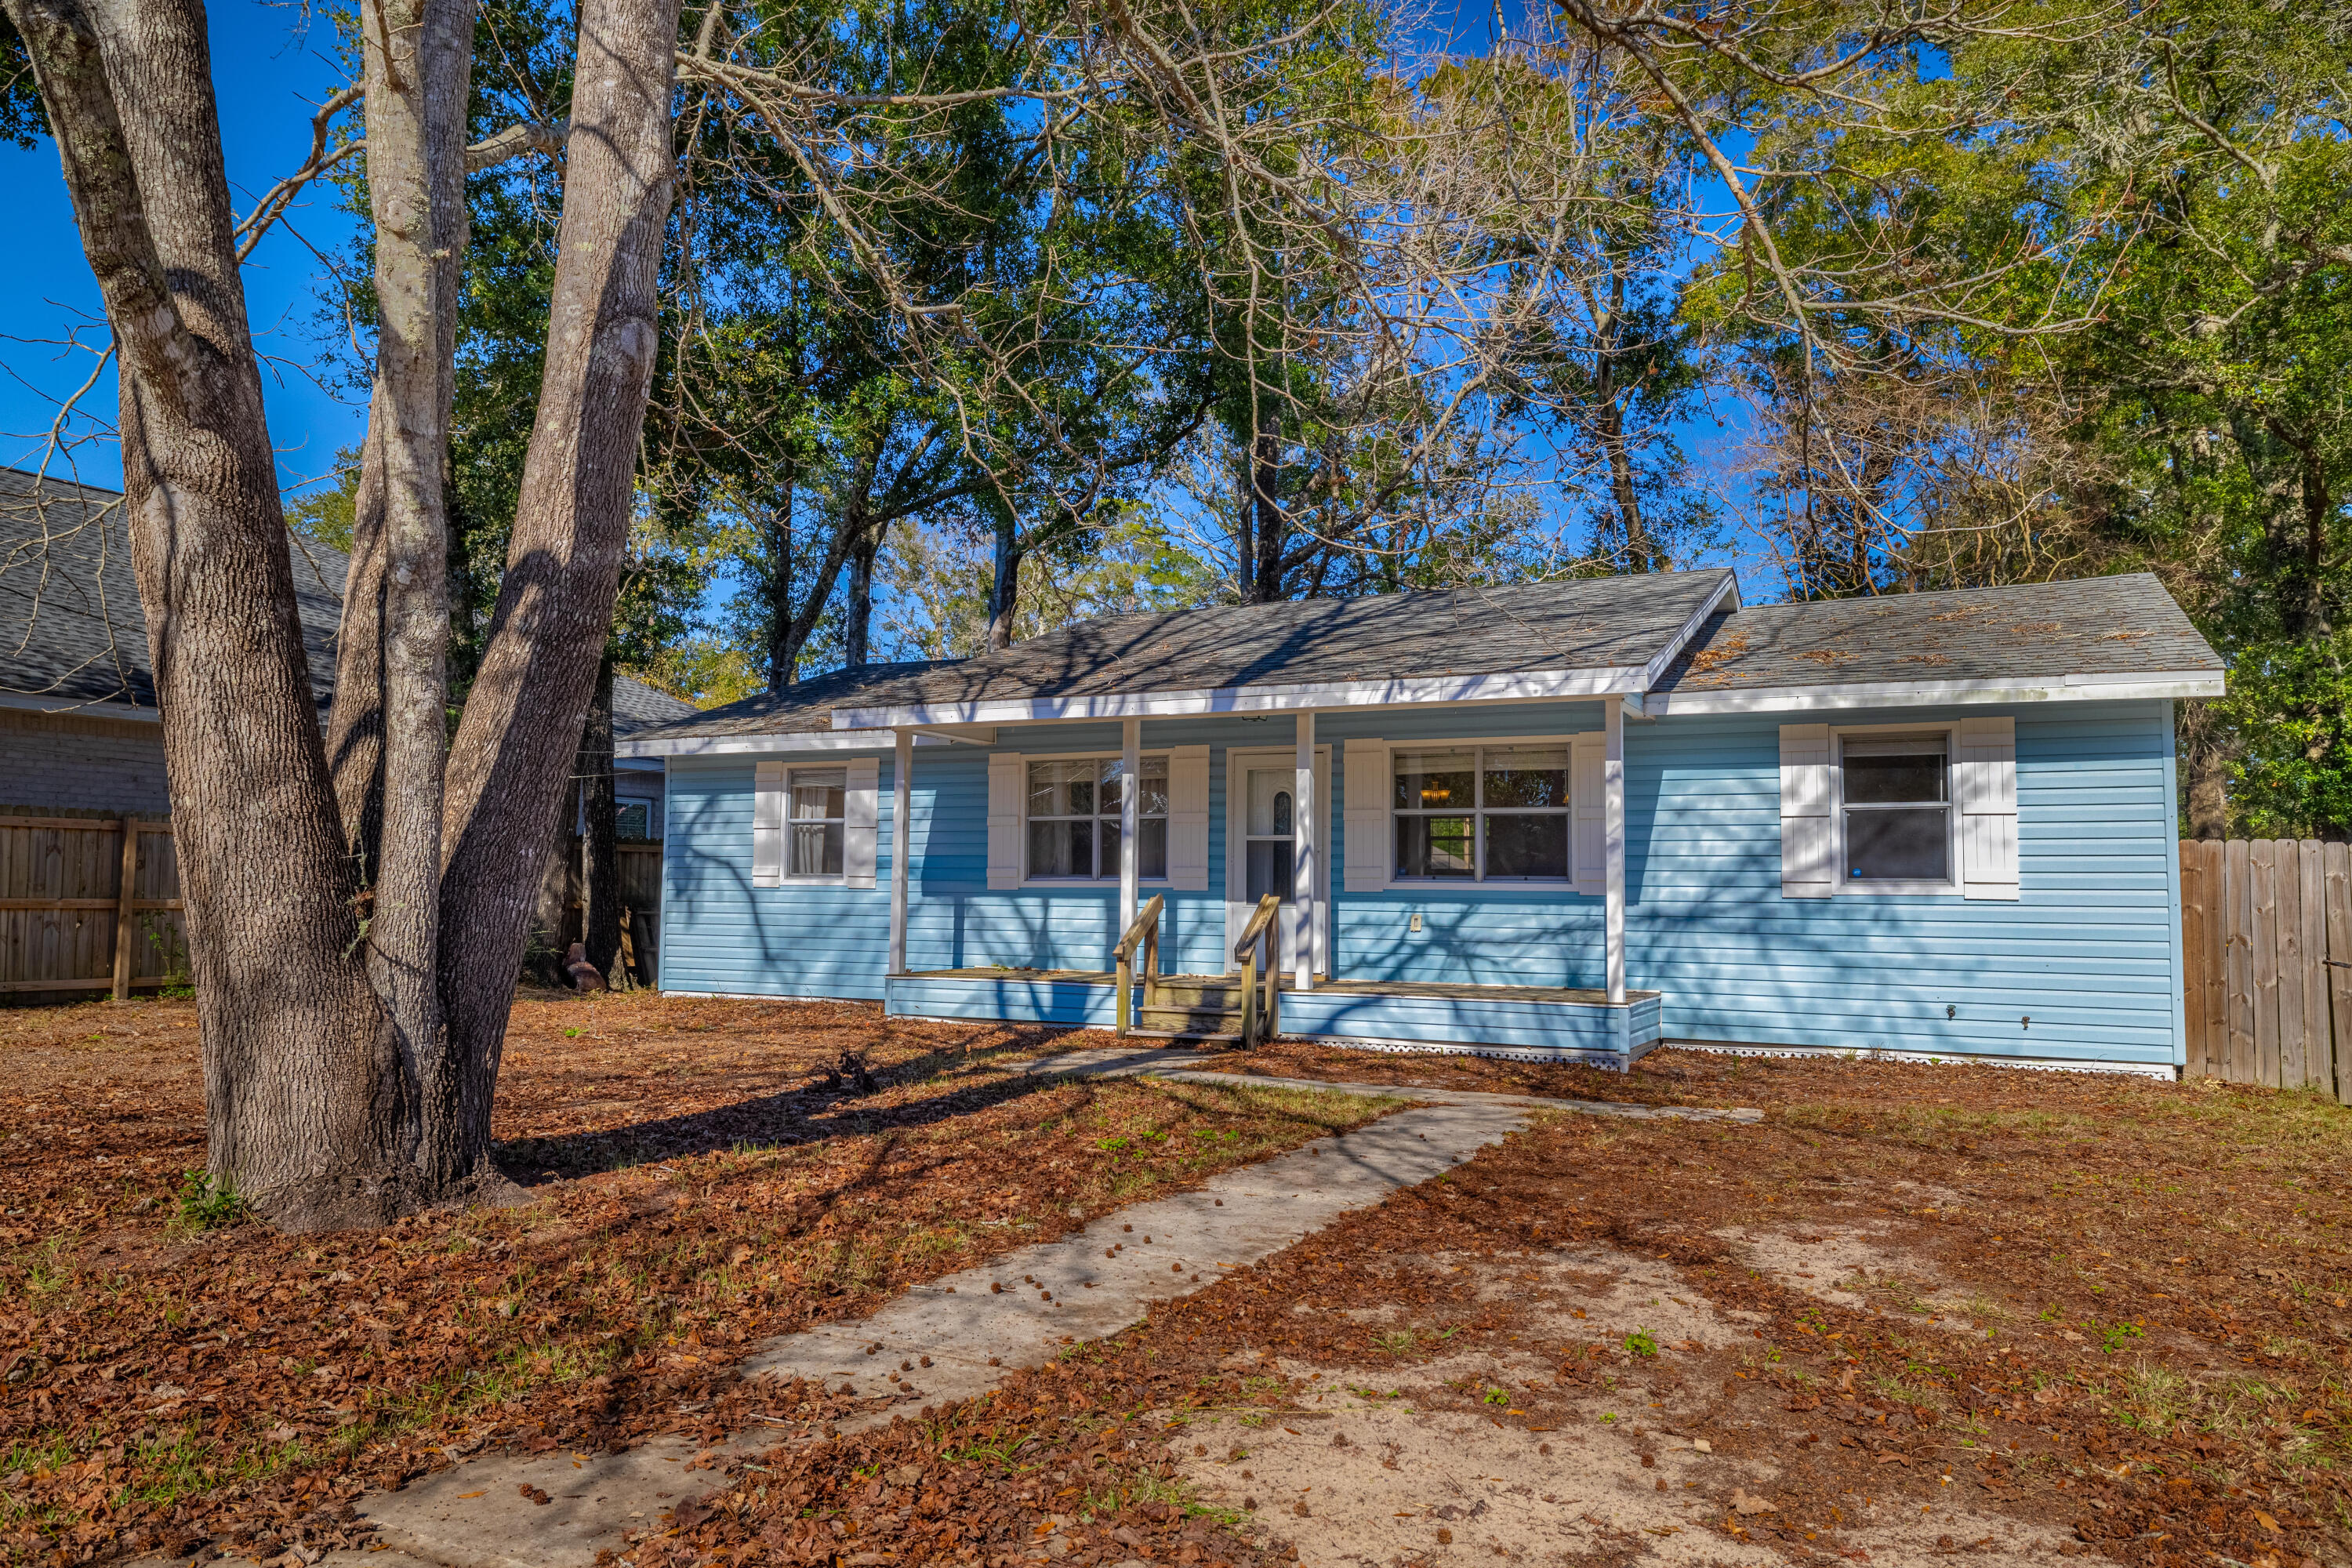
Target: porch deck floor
[1572,995]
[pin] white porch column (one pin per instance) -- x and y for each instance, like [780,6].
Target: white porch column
[1612,835]
[1131,764]
[1302,866]
[902,843]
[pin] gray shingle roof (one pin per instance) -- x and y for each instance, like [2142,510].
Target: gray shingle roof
[71,625]
[1577,623]
[71,628]
[2093,626]
[802,707]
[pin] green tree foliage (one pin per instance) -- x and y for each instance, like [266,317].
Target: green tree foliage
[2104,256]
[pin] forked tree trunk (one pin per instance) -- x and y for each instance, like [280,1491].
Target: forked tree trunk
[311,1112]
[522,721]
[305,1101]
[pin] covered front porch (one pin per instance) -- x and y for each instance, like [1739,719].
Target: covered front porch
[1285,966]
[1280,944]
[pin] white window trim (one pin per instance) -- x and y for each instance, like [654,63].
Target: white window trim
[1389,812]
[1110,882]
[784,878]
[1843,887]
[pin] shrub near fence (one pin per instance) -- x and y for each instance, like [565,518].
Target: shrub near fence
[2267,925]
[79,913]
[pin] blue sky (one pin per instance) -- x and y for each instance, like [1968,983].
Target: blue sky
[271,63]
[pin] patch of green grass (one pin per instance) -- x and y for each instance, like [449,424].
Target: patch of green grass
[1642,1342]
[206,1203]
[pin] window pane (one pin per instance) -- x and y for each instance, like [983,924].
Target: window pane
[630,821]
[1151,844]
[817,793]
[816,849]
[1062,789]
[1896,846]
[1526,846]
[1879,772]
[1434,781]
[1062,848]
[1432,846]
[1526,776]
[1155,788]
[1267,865]
[1270,802]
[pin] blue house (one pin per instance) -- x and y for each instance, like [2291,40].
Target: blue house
[1565,820]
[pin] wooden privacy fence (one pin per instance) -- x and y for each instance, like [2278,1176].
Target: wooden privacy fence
[78,914]
[89,903]
[2267,923]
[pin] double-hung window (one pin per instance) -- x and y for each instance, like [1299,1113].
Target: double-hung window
[1073,810]
[818,800]
[1897,800]
[1481,814]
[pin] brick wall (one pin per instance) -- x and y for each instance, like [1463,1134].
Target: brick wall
[73,761]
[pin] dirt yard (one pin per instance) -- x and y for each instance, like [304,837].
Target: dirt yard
[1917,1312]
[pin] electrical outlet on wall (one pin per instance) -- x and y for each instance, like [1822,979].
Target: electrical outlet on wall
[1416,922]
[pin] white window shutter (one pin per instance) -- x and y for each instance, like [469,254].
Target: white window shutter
[1588,802]
[1365,778]
[768,825]
[1807,831]
[857,818]
[1985,786]
[1008,778]
[1188,819]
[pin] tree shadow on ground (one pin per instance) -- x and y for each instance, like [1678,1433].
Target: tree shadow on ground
[795,1117]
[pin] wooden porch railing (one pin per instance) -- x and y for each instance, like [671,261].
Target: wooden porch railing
[1255,951]
[1145,933]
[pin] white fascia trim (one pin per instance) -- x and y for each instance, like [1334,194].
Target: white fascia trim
[1522,686]
[1666,656]
[805,740]
[1934,693]
[25,703]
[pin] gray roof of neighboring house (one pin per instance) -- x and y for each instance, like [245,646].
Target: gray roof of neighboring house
[2032,631]
[71,628]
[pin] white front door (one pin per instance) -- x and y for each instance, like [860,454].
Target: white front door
[1262,847]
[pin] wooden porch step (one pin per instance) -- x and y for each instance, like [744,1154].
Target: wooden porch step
[1191,1020]
[1185,1034]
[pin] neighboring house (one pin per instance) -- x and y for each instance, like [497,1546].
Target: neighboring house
[77,698]
[1576,819]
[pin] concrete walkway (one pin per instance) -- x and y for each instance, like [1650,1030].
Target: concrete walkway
[1087,1285]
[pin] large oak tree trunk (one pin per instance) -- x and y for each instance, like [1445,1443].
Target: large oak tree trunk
[523,718]
[305,1099]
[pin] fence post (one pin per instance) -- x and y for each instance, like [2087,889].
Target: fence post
[123,907]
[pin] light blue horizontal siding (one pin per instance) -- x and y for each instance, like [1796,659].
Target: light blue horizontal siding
[1472,1021]
[2090,953]
[1067,1002]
